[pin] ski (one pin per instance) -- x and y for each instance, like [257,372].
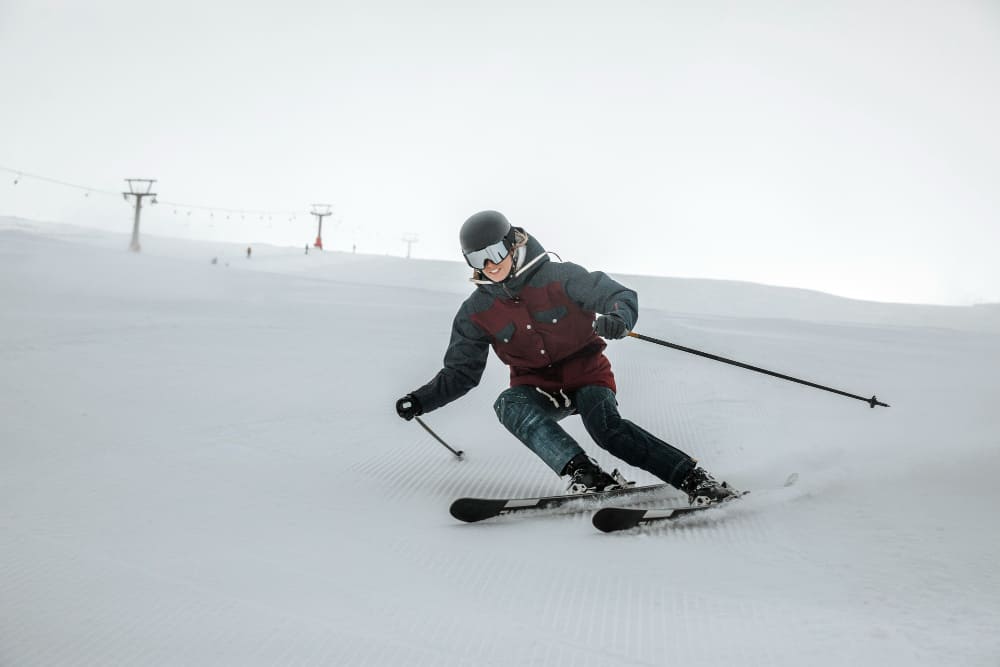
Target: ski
[471,510]
[613,519]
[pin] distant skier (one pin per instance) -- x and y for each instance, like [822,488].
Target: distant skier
[539,317]
[248,252]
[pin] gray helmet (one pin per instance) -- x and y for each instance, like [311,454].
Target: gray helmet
[485,229]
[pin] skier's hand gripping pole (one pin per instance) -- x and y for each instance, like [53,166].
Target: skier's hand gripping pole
[872,402]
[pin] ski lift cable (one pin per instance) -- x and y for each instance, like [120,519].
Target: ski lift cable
[20,175]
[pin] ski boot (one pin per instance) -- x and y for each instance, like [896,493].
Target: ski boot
[587,477]
[703,489]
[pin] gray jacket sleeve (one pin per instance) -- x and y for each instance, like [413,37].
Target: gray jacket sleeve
[464,362]
[598,292]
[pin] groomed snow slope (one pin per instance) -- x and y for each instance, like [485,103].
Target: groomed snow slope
[201,465]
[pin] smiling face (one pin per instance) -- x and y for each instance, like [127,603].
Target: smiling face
[499,272]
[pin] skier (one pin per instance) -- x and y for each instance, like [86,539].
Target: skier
[539,317]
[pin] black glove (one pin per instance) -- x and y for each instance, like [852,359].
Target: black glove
[610,326]
[408,407]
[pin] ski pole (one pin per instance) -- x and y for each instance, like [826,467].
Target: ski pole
[427,428]
[872,402]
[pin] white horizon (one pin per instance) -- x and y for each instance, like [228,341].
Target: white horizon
[849,149]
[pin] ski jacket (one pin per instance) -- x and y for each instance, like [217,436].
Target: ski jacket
[540,323]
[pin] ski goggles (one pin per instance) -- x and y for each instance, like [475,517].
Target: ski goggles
[496,253]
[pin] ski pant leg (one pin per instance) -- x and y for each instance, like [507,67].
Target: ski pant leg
[532,417]
[598,408]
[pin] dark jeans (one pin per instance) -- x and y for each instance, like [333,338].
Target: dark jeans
[533,416]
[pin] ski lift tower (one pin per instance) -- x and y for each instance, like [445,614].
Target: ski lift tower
[138,188]
[320,211]
[409,240]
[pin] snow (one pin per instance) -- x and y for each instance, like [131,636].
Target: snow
[200,464]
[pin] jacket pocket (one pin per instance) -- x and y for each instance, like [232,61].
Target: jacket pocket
[550,316]
[505,334]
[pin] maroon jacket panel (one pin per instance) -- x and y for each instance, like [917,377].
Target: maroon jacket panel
[547,340]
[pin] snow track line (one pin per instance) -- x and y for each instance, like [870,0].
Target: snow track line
[111,643]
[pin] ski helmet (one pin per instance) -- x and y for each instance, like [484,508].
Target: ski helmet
[484,230]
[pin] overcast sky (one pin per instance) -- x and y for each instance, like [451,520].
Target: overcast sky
[850,147]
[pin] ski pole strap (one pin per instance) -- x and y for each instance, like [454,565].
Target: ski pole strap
[872,402]
[434,435]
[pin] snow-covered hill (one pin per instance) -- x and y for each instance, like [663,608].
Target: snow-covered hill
[200,464]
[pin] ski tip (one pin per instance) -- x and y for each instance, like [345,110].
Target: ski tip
[471,510]
[612,519]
